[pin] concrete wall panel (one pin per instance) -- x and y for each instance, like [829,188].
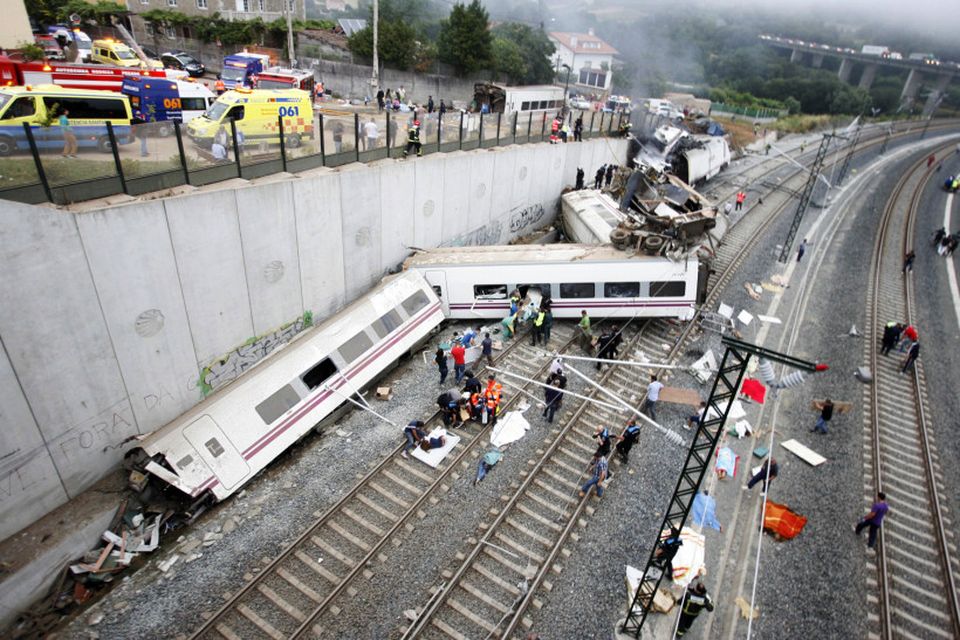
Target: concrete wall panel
[117,311]
[571,160]
[320,242]
[29,486]
[428,201]
[397,190]
[55,336]
[360,216]
[456,183]
[140,294]
[504,172]
[206,241]
[268,232]
[479,196]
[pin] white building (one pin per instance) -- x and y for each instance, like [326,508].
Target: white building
[590,59]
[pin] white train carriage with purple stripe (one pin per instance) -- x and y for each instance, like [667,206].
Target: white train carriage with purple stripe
[221,443]
[476,282]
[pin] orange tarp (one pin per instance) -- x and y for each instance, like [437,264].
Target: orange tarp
[780,520]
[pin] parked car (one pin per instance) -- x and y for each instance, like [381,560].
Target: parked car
[581,103]
[182,62]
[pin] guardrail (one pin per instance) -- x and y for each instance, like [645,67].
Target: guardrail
[154,156]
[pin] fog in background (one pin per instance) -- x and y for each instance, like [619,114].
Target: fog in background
[674,43]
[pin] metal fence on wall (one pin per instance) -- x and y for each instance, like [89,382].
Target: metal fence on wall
[37,164]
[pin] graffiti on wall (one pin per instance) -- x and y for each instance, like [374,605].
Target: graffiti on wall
[485,235]
[529,215]
[231,365]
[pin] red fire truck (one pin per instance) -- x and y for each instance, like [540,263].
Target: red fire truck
[281,78]
[74,75]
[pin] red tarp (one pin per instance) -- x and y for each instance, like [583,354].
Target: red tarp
[754,390]
[780,520]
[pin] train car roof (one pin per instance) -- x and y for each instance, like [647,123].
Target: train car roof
[505,255]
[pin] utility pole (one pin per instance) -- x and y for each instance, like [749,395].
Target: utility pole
[288,6]
[375,78]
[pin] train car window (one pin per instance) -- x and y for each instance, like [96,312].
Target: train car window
[386,323]
[543,288]
[214,447]
[319,373]
[417,301]
[490,291]
[355,347]
[621,290]
[525,105]
[669,289]
[278,404]
[578,290]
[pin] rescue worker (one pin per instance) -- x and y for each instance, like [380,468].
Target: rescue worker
[538,328]
[413,140]
[509,325]
[694,601]
[555,130]
[219,86]
[514,302]
[476,404]
[663,556]
[604,347]
[586,338]
[472,384]
[627,439]
[624,129]
[493,395]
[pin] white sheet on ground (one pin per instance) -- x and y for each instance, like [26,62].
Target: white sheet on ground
[690,558]
[510,428]
[435,456]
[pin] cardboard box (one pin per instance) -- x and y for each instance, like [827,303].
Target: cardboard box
[383,393]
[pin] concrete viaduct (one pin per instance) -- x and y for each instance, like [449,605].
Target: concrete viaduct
[937,77]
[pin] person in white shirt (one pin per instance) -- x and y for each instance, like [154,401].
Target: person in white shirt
[653,395]
[370,130]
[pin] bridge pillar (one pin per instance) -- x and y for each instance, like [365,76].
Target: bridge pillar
[817,60]
[846,67]
[866,78]
[796,55]
[910,88]
[933,100]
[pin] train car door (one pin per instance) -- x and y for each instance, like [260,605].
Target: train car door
[216,450]
[438,280]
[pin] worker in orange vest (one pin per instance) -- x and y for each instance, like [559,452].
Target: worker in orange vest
[741,197]
[554,130]
[219,86]
[493,394]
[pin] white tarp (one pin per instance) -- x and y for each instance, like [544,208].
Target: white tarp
[509,428]
[435,456]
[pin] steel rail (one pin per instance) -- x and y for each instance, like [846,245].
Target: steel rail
[884,233]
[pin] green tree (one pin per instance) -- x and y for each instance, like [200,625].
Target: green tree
[535,49]
[31,51]
[508,61]
[465,41]
[396,44]
[792,105]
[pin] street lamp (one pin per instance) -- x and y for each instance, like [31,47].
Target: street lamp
[566,87]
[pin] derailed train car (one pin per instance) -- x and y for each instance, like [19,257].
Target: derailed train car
[476,282]
[217,446]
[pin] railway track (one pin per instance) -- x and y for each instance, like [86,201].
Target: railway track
[488,592]
[916,559]
[291,595]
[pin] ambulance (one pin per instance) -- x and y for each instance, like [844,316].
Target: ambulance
[166,101]
[256,113]
[41,106]
[112,52]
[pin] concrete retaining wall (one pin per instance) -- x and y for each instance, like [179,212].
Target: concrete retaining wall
[114,322]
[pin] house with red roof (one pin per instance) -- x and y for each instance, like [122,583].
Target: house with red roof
[588,56]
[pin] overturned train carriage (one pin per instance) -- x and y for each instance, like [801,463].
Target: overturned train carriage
[221,443]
